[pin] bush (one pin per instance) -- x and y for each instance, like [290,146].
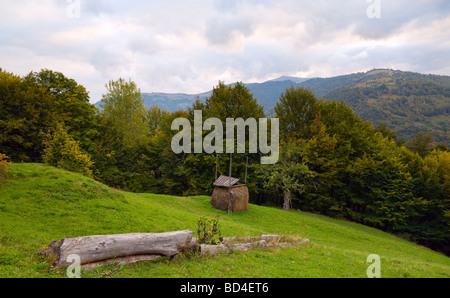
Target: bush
[209,231]
[3,165]
[64,152]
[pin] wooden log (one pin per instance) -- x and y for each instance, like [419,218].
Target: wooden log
[247,246]
[122,261]
[284,244]
[267,238]
[206,249]
[100,248]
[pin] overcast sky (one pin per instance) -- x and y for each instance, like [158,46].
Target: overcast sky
[188,46]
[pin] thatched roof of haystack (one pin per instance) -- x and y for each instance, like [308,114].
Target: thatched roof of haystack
[225,181]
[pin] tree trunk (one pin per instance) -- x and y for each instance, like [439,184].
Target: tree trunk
[105,248]
[287,200]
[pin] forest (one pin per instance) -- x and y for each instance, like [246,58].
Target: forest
[331,161]
[405,101]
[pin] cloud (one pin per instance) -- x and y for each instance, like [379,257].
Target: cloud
[187,46]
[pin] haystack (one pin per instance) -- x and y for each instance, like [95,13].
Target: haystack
[228,195]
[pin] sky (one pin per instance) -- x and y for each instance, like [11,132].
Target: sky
[187,46]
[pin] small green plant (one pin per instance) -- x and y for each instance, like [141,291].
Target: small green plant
[208,231]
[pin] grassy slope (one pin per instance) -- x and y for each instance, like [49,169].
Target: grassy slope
[39,204]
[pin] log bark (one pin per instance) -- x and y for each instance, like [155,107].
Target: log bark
[104,248]
[206,249]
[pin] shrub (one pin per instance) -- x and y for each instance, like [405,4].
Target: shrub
[209,231]
[3,165]
[64,152]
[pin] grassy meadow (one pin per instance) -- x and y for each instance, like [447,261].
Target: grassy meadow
[40,204]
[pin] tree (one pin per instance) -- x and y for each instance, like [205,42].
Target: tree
[72,106]
[432,228]
[296,109]
[353,134]
[324,158]
[422,143]
[154,117]
[121,157]
[124,111]
[170,173]
[233,101]
[288,175]
[26,113]
[382,189]
[226,101]
[386,132]
[33,105]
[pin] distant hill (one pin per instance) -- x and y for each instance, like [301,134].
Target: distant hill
[321,86]
[267,94]
[172,102]
[293,79]
[407,102]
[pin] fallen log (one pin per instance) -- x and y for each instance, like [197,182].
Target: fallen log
[228,245]
[267,238]
[125,248]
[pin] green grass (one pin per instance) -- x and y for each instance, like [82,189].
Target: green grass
[40,204]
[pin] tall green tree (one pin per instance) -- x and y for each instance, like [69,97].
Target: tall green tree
[120,154]
[289,175]
[382,189]
[71,103]
[27,112]
[296,109]
[32,106]
[353,134]
[433,226]
[123,110]
[226,101]
[324,158]
[154,117]
[232,101]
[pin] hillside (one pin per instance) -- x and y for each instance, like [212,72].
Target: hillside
[39,204]
[405,101]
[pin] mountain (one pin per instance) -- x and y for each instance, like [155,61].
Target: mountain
[407,102]
[172,101]
[267,94]
[321,86]
[293,79]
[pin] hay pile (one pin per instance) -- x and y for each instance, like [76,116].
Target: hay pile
[221,197]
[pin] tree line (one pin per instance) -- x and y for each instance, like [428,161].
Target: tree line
[331,162]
